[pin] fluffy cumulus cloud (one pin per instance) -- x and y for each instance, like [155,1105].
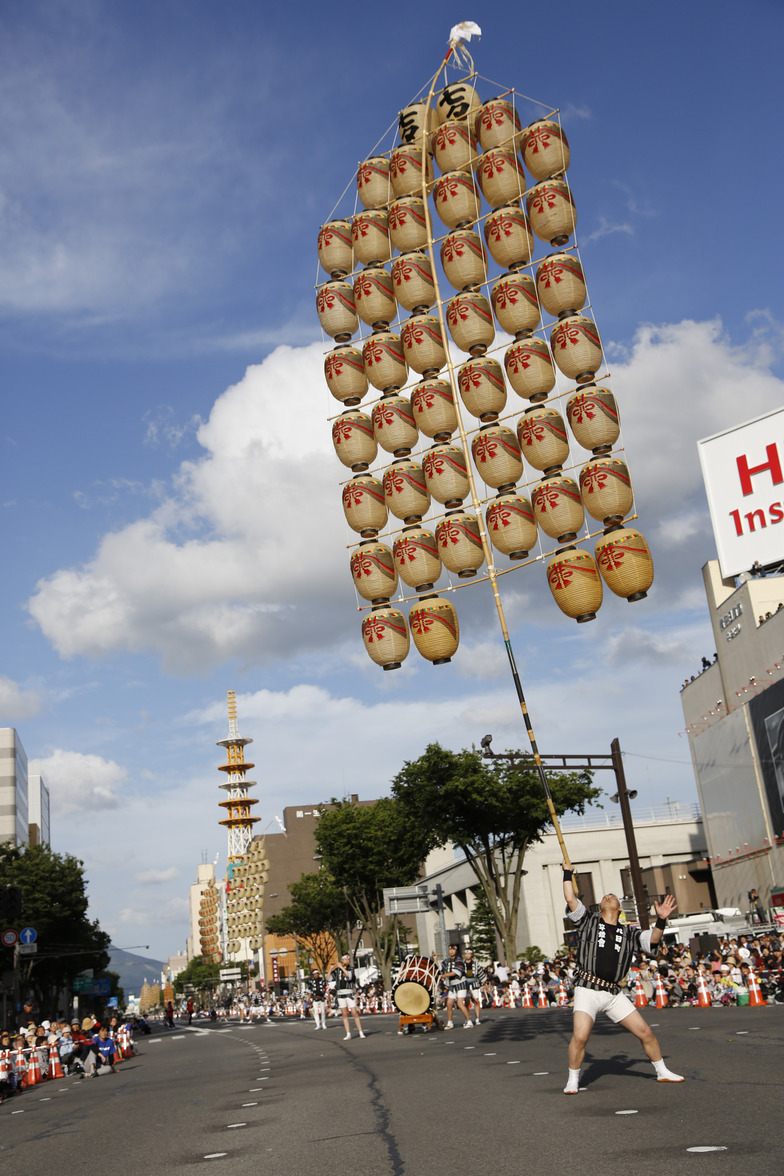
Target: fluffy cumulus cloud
[157,877]
[17,703]
[80,783]
[166,912]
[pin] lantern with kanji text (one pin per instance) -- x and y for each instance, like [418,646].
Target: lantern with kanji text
[364,505]
[374,297]
[416,555]
[593,418]
[352,436]
[496,453]
[373,182]
[541,432]
[384,361]
[336,310]
[385,634]
[405,490]
[509,238]
[464,259]
[560,283]
[435,629]
[459,543]
[393,424]
[515,304]
[434,409]
[558,507]
[606,489]
[482,388]
[511,525]
[335,248]
[545,149]
[625,562]
[344,371]
[529,369]
[552,212]
[374,571]
[470,322]
[577,348]
[575,583]
[446,474]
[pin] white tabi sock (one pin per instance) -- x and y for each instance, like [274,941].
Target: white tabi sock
[573,1085]
[665,1075]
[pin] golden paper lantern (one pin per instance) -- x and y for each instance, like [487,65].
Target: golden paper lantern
[458,100]
[541,432]
[457,199]
[434,409]
[575,583]
[482,388]
[416,123]
[435,629]
[416,555]
[464,259]
[577,348]
[423,344]
[335,248]
[498,125]
[405,490]
[509,237]
[515,304]
[511,525]
[364,505]
[407,224]
[460,544]
[470,322]
[373,185]
[374,571]
[545,149]
[344,370]
[593,418]
[529,369]
[558,507]
[446,474]
[370,237]
[606,489]
[352,436]
[405,171]
[393,425]
[385,634]
[336,311]
[500,177]
[374,297]
[625,563]
[454,146]
[551,211]
[496,453]
[414,287]
[560,283]
[384,361]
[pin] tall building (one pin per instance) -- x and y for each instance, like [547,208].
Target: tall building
[38,810]
[24,798]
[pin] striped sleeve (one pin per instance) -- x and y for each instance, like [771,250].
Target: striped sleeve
[579,915]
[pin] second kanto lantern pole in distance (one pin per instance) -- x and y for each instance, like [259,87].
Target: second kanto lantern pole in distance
[472,143]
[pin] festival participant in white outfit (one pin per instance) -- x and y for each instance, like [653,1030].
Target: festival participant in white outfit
[475,978]
[453,971]
[605,951]
[317,987]
[343,979]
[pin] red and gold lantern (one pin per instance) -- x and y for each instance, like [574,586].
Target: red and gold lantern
[374,297]
[593,418]
[370,236]
[541,432]
[551,211]
[374,571]
[416,123]
[352,436]
[457,199]
[434,409]
[511,525]
[446,474]
[345,374]
[405,171]
[412,276]
[625,563]
[529,369]
[459,100]
[423,344]
[364,505]
[577,348]
[407,224]
[470,322]
[460,544]
[454,147]
[482,388]
[335,248]
[336,310]
[575,583]
[384,361]
[385,634]
[393,425]
[435,630]
[464,259]
[560,283]
[509,237]
[496,453]
[498,125]
[606,488]
[558,508]
[500,177]
[417,559]
[373,182]
[405,490]
[515,305]
[545,149]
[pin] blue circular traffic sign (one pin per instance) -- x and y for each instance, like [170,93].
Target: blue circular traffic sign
[28,935]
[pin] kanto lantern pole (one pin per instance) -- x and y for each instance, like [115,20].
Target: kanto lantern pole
[486,547]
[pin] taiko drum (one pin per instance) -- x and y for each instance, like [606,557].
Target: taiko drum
[374,572]
[482,388]
[464,259]
[374,297]
[454,146]
[335,248]
[515,305]
[498,125]
[558,508]
[434,409]
[500,177]
[560,283]
[593,418]
[544,443]
[446,474]
[417,559]
[407,224]
[352,436]
[457,199]
[529,369]
[423,344]
[460,544]
[364,505]
[511,525]
[373,185]
[416,986]
[551,211]
[545,149]
[577,348]
[405,171]
[470,322]
[575,583]
[412,277]
[370,237]
[496,453]
[435,629]
[606,489]
[385,634]
[384,360]
[344,371]
[336,310]
[509,238]
[393,425]
[625,563]
[405,490]
[460,100]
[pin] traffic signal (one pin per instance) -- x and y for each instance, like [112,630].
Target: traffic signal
[11,904]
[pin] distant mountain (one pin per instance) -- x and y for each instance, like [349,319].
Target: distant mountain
[134,970]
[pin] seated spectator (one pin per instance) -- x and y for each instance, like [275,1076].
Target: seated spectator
[106,1054]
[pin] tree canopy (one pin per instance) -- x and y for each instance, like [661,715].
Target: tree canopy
[316,915]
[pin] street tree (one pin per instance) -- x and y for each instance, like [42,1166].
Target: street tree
[316,915]
[481,927]
[490,811]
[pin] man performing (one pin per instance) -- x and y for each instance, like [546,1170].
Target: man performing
[604,954]
[344,980]
[453,971]
[318,991]
[475,978]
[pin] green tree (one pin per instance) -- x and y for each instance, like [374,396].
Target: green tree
[316,915]
[492,812]
[481,927]
[202,975]
[367,848]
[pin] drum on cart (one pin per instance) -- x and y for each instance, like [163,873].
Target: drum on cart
[416,985]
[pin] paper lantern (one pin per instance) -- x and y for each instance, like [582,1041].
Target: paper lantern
[511,525]
[446,474]
[464,259]
[352,436]
[407,224]
[454,146]
[435,629]
[541,432]
[364,505]
[374,297]
[606,489]
[385,634]
[370,237]
[459,100]
[457,199]
[496,453]
[625,563]
[405,171]
[374,571]
[593,418]
[384,361]
[412,276]
[558,508]
[498,125]
[575,583]
[470,322]
[509,237]
[336,311]
[423,344]
[560,283]
[416,123]
[545,149]
[345,374]
[416,555]
[515,304]
[460,544]
[393,425]
[500,177]
[335,248]
[434,409]
[373,185]
[577,348]
[405,490]
[529,369]
[482,388]
[551,211]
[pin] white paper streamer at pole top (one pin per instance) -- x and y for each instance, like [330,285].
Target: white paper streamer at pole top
[464,32]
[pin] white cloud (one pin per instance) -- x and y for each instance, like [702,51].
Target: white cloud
[156,877]
[80,783]
[16,703]
[161,912]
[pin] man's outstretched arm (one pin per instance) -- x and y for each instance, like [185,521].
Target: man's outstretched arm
[572,901]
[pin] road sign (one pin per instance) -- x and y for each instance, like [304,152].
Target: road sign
[28,948]
[407,900]
[230,974]
[9,938]
[28,935]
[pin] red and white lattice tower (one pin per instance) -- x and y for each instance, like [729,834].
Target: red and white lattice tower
[238,803]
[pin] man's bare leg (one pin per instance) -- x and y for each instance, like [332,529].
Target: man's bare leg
[581,1031]
[461,1004]
[450,1004]
[637,1025]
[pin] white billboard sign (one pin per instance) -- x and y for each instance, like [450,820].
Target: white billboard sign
[743,469]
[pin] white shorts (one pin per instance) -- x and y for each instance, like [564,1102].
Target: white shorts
[346,1002]
[456,993]
[616,1006]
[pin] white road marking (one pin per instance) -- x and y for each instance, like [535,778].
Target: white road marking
[17,1112]
[250,1104]
[742,1033]
[469,1047]
[705,1149]
[49,1099]
[230,1125]
[254,1090]
[513,1063]
[215,1155]
[693,1027]
[541,1073]
[627,1112]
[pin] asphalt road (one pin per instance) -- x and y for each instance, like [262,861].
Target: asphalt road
[288,1099]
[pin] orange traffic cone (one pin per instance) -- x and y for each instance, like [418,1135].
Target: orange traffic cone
[662,1000]
[527,1002]
[563,999]
[33,1075]
[755,995]
[542,1002]
[702,991]
[640,999]
[55,1069]
[20,1066]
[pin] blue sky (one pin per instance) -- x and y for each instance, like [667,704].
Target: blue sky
[171,525]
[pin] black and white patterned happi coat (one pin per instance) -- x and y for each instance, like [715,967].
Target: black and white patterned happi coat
[593,933]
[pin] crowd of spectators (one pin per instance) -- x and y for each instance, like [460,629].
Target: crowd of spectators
[85,1048]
